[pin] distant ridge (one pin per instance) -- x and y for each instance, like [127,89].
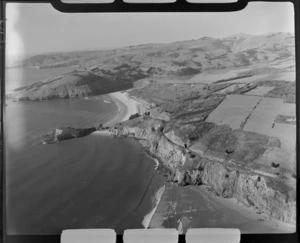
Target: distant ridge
[77,57]
[118,69]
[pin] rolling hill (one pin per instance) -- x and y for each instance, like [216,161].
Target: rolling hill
[118,69]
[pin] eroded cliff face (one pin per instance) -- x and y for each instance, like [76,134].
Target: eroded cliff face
[150,133]
[250,189]
[266,194]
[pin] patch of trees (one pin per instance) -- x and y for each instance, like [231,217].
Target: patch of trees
[192,156]
[274,165]
[193,137]
[134,116]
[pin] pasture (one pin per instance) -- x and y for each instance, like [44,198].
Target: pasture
[257,114]
[287,76]
[282,76]
[262,120]
[209,78]
[249,79]
[233,111]
[260,91]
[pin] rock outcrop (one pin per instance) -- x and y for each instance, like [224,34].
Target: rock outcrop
[266,194]
[65,133]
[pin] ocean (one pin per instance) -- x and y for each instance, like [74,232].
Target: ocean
[97,181]
[92,182]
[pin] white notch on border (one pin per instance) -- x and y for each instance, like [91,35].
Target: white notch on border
[211,235]
[150,236]
[87,1]
[149,1]
[88,236]
[212,1]
[146,1]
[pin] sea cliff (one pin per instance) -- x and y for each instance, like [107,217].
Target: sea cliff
[226,178]
[217,113]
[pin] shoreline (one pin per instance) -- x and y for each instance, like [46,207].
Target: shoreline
[245,218]
[148,217]
[186,206]
[232,213]
[126,105]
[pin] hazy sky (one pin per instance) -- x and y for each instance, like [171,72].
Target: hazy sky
[35,28]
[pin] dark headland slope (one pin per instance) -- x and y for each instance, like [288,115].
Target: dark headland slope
[118,69]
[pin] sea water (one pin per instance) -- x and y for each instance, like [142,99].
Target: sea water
[92,182]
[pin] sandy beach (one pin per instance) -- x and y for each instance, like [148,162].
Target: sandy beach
[126,107]
[195,207]
[104,133]
[192,206]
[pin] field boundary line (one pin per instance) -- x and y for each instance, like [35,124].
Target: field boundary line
[247,118]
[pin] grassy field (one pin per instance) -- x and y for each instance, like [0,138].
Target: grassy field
[256,114]
[249,79]
[210,78]
[262,120]
[260,91]
[286,76]
[259,115]
[281,89]
[233,121]
[233,111]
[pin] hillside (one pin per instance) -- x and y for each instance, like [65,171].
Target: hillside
[72,85]
[235,138]
[202,53]
[118,69]
[217,113]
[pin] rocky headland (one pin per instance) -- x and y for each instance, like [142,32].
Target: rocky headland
[227,164]
[180,86]
[66,133]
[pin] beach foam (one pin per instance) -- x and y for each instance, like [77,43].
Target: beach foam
[103,133]
[147,219]
[156,163]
